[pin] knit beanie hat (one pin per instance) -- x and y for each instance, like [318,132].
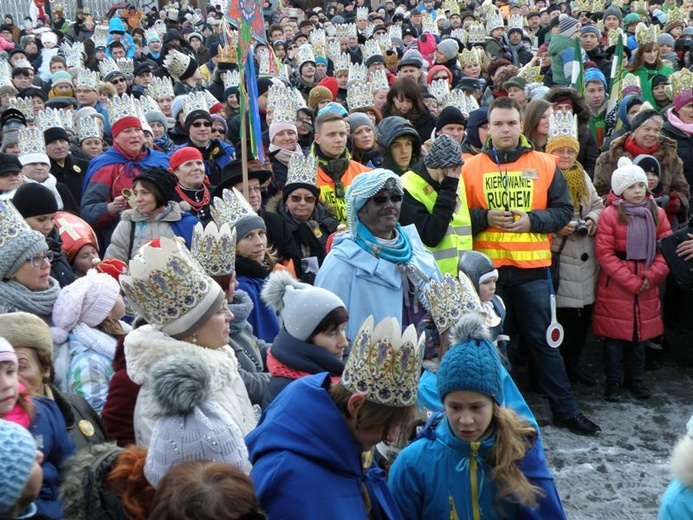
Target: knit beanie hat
[648,164]
[666,39]
[300,306]
[331,84]
[626,175]
[10,138]
[472,364]
[567,25]
[190,426]
[318,94]
[9,163]
[279,126]
[445,152]
[55,133]
[371,60]
[18,242]
[477,118]
[591,29]
[450,115]
[183,155]
[433,71]
[615,11]
[449,48]
[7,352]
[17,457]
[87,300]
[477,266]
[32,199]
[61,77]
[646,113]
[359,119]
[248,223]
[680,100]
[631,18]
[177,106]
[364,186]
[594,74]
[23,329]
[659,79]
[163,180]
[216,118]
[154,116]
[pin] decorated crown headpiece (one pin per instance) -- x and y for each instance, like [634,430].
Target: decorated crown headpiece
[12,224]
[449,300]
[361,13]
[231,79]
[317,37]
[370,49]
[24,105]
[598,6]
[302,170]
[377,79]
[613,35]
[172,13]
[176,63]
[31,141]
[100,36]
[360,95]
[160,27]
[304,55]
[563,125]
[677,15]
[160,88]
[464,103]
[107,66]
[73,53]
[275,93]
[428,25]
[231,207]
[517,21]
[88,79]
[331,31]
[395,32]
[385,363]
[440,88]
[346,31]
[619,3]
[333,50]
[126,66]
[227,53]
[195,101]
[469,57]
[477,33]
[681,81]
[494,20]
[121,107]
[581,5]
[639,6]
[645,34]
[384,41]
[147,104]
[22,63]
[87,128]
[214,248]
[151,33]
[263,59]
[460,34]
[193,18]
[451,6]
[5,73]
[630,82]
[342,63]
[532,73]
[285,109]
[67,118]
[49,118]
[358,73]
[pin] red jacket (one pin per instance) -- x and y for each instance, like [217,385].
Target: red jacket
[117,413]
[619,310]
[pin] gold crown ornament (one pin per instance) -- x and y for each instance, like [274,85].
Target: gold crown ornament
[360,95]
[451,6]
[121,107]
[619,3]
[48,118]
[126,66]
[333,50]
[469,57]
[440,88]
[88,128]
[160,88]
[531,73]
[285,109]
[108,66]
[342,63]
[385,363]
[100,36]
[580,6]
[640,7]
[227,53]
[449,300]
[598,6]
[231,79]
[231,208]
[630,81]
[645,34]
[276,93]
[24,105]
[440,15]
[428,25]
[477,33]
[613,35]
[176,63]
[362,13]
[369,49]
[676,15]
[460,34]
[681,81]
[214,248]
[494,20]
[395,32]
[377,79]
[31,141]
[74,54]
[195,101]
[358,73]
[303,170]
[563,130]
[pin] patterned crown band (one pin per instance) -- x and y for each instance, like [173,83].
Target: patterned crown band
[88,128]
[11,224]
[440,88]
[176,63]
[108,66]
[477,33]
[88,79]
[24,105]
[302,170]
[231,79]
[231,208]
[449,300]
[49,118]
[360,95]
[31,141]
[214,248]
[195,101]
[121,107]
[160,88]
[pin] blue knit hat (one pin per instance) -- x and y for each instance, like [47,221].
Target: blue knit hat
[594,74]
[17,456]
[472,363]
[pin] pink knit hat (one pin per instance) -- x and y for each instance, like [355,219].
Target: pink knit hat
[682,99]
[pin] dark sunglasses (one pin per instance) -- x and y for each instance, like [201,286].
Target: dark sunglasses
[310,199]
[119,80]
[382,199]
[198,124]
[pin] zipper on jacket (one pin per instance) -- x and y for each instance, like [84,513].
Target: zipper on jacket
[473,479]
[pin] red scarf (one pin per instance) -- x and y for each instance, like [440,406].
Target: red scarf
[196,206]
[636,150]
[279,369]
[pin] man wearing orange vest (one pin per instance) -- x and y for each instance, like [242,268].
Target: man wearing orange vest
[517,198]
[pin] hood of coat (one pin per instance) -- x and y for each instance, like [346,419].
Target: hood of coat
[682,462]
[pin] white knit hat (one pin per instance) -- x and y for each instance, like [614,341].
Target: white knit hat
[626,175]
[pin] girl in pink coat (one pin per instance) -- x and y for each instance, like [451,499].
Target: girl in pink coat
[627,310]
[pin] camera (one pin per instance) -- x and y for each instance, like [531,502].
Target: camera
[581,228]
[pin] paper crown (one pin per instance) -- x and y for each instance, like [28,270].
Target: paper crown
[639,6]
[370,49]
[31,141]
[385,363]
[227,53]
[304,55]
[146,104]
[440,88]
[231,208]
[100,36]
[263,59]
[333,50]
[172,13]
[73,53]
[460,34]
[377,79]
[677,15]
[193,18]
[160,88]
[285,109]
[108,66]
[361,13]
[67,118]
[21,63]
[150,34]
[49,118]
[477,33]
[619,3]
[195,101]
[630,82]
[464,103]
[531,73]
[74,232]
[517,21]
[494,20]
[346,31]
[176,63]
[681,81]
[451,6]
[645,34]
[88,79]
[5,74]
[12,224]
[302,170]
[317,37]
[581,5]
[563,125]
[428,25]
[214,248]
[331,31]
[358,73]
[275,93]
[160,27]
[342,63]
[395,32]
[449,300]
[126,66]
[121,107]
[613,35]
[87,128]
[24,105]
[598,6]
[360,95]
[230,79]
[469,57]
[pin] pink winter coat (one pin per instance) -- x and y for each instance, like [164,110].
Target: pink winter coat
[619,309]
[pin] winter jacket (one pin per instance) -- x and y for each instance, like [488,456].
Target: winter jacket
[307,464]
[290,359]
[145,346]
[216,155]
[250,351]
[669,161]
[71,174]
[677,501]
[684,148]
[619,311]
[562,52]
[117,413]
[367,284]
[170,223]
[251,278]
[435,477]
[578,271]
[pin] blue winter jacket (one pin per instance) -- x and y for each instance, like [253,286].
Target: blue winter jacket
[677,502]
[306,463]
[434,477]
[116,24]
[262,318]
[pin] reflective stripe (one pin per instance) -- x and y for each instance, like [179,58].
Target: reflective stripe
[442,254]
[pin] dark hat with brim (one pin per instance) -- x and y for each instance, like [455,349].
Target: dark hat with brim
[232,174]
[61,102]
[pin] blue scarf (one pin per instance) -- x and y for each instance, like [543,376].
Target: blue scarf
[400,253]
[133,166]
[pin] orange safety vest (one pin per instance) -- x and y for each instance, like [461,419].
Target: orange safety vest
[329,198]
[522,185]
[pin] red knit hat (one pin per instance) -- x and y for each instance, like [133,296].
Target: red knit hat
[125,122]
[434,71]
[112,267]
[331,84]
[183,155]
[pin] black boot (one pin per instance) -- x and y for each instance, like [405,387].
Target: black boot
[639,390]
[612,392]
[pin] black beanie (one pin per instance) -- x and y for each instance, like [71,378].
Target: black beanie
[164,182]
[448,116]
[9,164]
[377,58]
[197,114]
[190,70]
[32,199]
[55,133]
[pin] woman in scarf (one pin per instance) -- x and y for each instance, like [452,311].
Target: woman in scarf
[283,146]
[679,127]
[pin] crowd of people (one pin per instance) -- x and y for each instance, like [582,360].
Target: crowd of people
[326,323]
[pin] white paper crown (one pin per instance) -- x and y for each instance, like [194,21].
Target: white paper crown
[449,300]
[22,63]
[73,53]
[370,49]
[428,25]
[24,105]
[231,79]
[214,248]
[146,104]
[31,141]
[231,208]
[176,63]
[368,30]
[460,34]
[302,170]
[285,109]
[469,57]
[87,128]
[12,224]
[331,31]
[100,36]
[361,13]
[494,20]
[384,41]
[151,33]
[395,32]
[477,33]
[358,73]
[317,37]
[385,363]
[333,50]
[5,73]
[67,117]
[440,88]
[263,58]
[121,107]
[160,27]
[377,79]
[304,55]
[126,66]
[563,125]
[108,66]
[464,103]
[517,21]
[48,118]
[193,18]
[275,93]
[360,95]
[195,101]
[343,62]
[172,13]
[160,88]
[346,31]
[88,79]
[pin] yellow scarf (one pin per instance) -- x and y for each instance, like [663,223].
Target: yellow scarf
[575,177]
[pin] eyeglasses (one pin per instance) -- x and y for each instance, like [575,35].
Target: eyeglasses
[445,77]
[198,124]
[37,260]
[310,199]
[382,199]
[118,80]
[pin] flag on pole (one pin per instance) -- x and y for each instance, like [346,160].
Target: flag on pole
[616,82]
[578,73]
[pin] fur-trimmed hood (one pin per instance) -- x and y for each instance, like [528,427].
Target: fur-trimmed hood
[580,108]
[682,461]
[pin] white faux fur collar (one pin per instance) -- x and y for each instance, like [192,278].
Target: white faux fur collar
[682,461]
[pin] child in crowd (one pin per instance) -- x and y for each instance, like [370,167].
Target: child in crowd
[627,308]
[669,202]
[78,242]
[677,501]
[21,470]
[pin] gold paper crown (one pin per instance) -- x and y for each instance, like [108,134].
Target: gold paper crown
[629,81]
[494,20]
[681,81]
[395,32]
[48,118]
[645,34]
[385,363]
[517,21]
[160,27]
[531,73]
[302,170]
[160,88]
[231,79]
[87,128]
[639,6]
[285,109]
[460,34]
[428,25]
[618,3]
[73,53]
[195,101]
[100,36]
[24,105]
[214,248]
[440,15]
[304,55]
[370,49]
[613,35]
[121,107]
[598,6]
[449,300]
[477,33]
[275,93]
[377,79]
[677,15]
[439,88]
[357,73]
[333,50]
[31,141]
[451,6]
[360,95]
[151,33]
[263,61]
[361,13]
[227,53]
[126,66]
[108,66]
[464,103]
[581,5]
[12,224]
[176,63]
[343,62]
[88,79]
[563,125]
[469,57]
[165,284]
[231,208]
